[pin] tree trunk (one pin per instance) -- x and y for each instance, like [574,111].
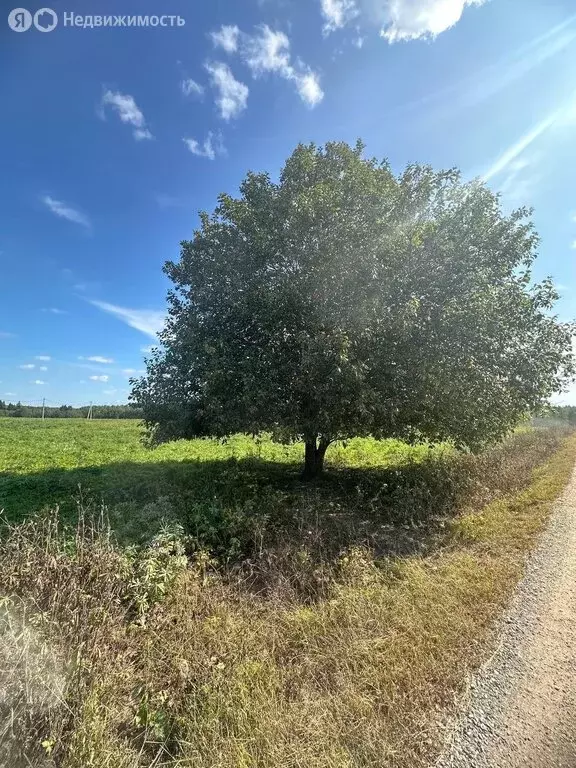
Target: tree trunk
[314,458]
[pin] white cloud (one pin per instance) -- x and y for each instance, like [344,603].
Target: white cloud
[142,133]
[574,245]
[414,19]
[43,358]
[129,371]
[147,350]
[148,321]
[231,94]
[43,368]
[7,335]
[28,367]
[38,381]
[269,51]
[226,38]
[10,394]
[191,88]
[210,147]
[64,211]
[128,112]
[97,359]
[109,391]
[103,379]
[55,311]
[308,87]
[337,13]
[398,19]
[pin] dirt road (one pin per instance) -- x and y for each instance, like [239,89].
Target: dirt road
[521,710]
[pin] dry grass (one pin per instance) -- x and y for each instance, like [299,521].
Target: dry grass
[295,658]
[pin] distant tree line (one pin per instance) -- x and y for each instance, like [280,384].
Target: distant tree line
[566,413]
[18,410]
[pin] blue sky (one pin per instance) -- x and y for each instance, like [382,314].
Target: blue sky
[113,138]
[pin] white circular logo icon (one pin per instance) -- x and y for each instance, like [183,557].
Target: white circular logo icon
[45,20]
[19,20]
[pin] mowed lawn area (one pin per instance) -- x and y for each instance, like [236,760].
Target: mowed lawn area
[60,462]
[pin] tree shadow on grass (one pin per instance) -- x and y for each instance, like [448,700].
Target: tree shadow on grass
[237,506]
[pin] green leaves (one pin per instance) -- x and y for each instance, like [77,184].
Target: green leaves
[344,301]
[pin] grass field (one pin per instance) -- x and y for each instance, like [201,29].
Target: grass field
[326,626]
[59,462]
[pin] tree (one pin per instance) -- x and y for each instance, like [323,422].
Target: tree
[345,301]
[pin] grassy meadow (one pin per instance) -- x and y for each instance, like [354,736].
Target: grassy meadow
[194,483]
[206,608]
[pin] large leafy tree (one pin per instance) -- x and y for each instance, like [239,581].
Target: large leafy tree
[343,300]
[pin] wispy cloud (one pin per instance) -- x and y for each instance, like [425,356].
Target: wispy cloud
[148,321]
[209,148]
[103,378]
[337,13]
[265,52]
[28,367]
[129,372]
[43,358]
[191,88]
[268,51]
[574,245]
[128,112]
[97,359]
[231,94]
[38,381]
[226,38]
[55,311]
[309,90]
[65,211]
[43,368]
[7,335]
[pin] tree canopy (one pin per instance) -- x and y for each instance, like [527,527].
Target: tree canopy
[343,300]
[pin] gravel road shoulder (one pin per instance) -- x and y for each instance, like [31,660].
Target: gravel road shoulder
[521,707]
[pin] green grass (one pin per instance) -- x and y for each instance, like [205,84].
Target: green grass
[30,445]
[324,648]
[59,462]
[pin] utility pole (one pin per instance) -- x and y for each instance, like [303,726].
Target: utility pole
[43,407]
[89,417]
